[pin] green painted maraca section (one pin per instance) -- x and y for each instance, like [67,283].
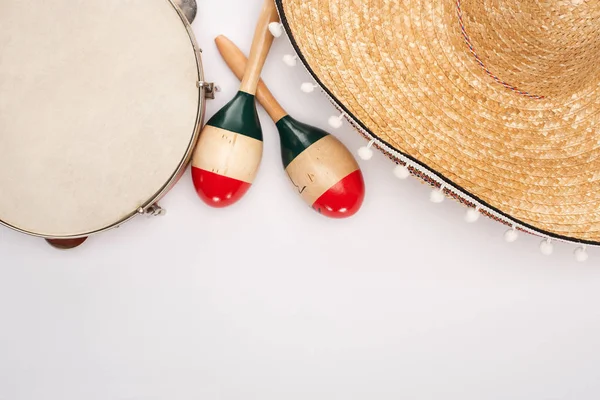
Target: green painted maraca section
[295,137]
[239,116]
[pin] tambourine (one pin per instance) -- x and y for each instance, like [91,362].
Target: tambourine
[100,109]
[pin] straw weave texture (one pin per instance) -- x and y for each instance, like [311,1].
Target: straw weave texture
[502,98]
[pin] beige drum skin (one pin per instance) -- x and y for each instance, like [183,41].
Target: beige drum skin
[100,109]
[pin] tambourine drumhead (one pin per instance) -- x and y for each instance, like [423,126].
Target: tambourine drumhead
[99,110]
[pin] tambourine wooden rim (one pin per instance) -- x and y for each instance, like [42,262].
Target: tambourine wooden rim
[203,92]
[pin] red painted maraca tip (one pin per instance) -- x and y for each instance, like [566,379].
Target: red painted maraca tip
[343,199]
[216,190]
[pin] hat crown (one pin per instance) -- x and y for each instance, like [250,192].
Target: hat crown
[546,48]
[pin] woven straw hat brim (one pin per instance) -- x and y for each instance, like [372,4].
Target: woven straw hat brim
[500,100]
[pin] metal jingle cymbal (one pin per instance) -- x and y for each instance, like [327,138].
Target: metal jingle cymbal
[188,7]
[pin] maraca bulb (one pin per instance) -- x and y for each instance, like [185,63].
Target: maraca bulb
[325,173]
[228,153]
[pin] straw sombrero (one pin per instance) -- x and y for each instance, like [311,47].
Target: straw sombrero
[494,103]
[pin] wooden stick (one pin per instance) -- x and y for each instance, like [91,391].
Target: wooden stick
[261,44]
[236,61]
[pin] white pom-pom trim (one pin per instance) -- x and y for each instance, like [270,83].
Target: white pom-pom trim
[472,215]
[511,235]
[308,87]
[546,247]
[581,254]
[290,60]
[437,195]
[365,152]
[401,172]
[336,122]
[276,29]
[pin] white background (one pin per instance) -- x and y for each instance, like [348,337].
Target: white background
[269,300]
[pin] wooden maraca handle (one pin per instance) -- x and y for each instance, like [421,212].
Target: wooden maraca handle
[261,44]
[236,61]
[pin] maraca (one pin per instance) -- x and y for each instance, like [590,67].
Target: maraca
[322,169]
[229,150]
